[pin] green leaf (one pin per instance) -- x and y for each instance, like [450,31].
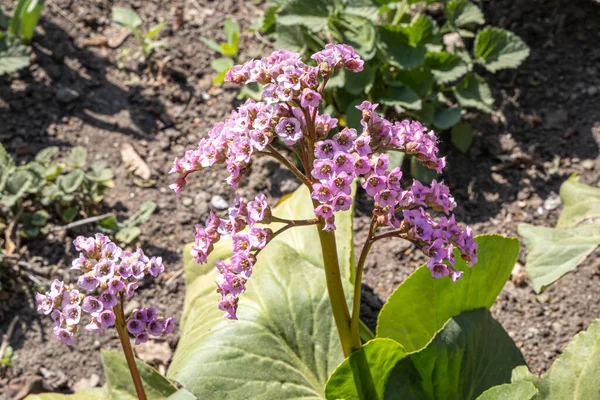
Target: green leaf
[396,159]
[422,173]
[364,8]
[445,67]
[574,375]
[99,172]
[522,373]
[474,92]
[447,118]
[423,31]
[211,44]
[156,29]
[510,391]
[109,224]
[462,136]
[45,155]
[554,252]
[222,64]
[220,78]
[359,82]
[313,14]
[29,16]
[128,234]
[395,42]
[144,213]
[126,18]
[433,301]
[581,203]
[39,218]
[119,384]
[361,35]
[285,344]
[70,182]
[69,214]
[368,369]
[266,22]
[401,96]
[470,354]
[460,13]
[292,38]
[496,49]
[353,115]
[77,158]
[13,55]
[19,182]
[420,80]
[232,32]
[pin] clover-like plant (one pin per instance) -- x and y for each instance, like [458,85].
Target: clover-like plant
[330,162]
[110,276]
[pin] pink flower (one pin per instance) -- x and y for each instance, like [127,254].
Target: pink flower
[141,338]
[106,318]
[289,130]
[92,306]
[310,98]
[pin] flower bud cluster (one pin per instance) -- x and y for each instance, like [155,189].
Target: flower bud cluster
[107,270]
[241,226]
[144,322]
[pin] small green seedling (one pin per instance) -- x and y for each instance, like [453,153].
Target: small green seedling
[17,32]
[228,49]
[127,18]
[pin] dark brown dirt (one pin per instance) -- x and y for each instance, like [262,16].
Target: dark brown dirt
[548,114]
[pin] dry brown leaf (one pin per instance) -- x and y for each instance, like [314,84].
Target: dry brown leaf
[134,163]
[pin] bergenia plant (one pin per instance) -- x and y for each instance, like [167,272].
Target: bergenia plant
[289,122]
[110,276]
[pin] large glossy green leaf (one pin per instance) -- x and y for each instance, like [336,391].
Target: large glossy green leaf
[553,252]
[361,82]
[447,118]
[574,375]
[285,344]
[119,385]
[469,355]
[304,239]
[474,92]
[496,49]
[510,391]
[433,301]
[364,374]
[313,14]
[580,203]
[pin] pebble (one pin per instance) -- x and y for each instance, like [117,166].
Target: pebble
[66,95]
[592,91]
[187,201]
[587,164]
[219,202]
[201,206]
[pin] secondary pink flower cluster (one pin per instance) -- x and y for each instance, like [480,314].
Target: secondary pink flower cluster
[106,268]
[240,226]
[344,157]
[145,321]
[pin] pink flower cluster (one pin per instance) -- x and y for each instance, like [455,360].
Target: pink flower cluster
[240,226]
[106,268]
[290,96]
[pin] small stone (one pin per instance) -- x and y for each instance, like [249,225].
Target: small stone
[587,164]
[66,95]
[187,201]
[592,91]
[552,202]
[219,202]
[201,206]
[87,383]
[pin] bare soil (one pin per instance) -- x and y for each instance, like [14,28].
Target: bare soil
[546,127]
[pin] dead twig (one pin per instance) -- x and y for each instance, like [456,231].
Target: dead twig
[82,222]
